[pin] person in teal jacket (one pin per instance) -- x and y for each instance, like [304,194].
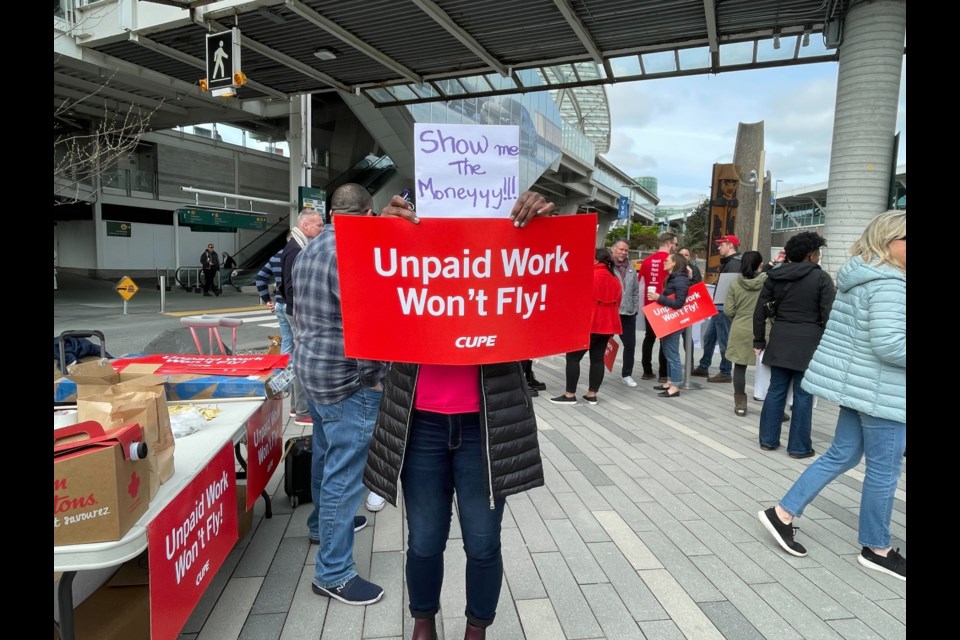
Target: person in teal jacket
[861,364]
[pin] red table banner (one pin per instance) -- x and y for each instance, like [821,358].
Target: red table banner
[188,542]
[465,290]
[665,320]
[235,365]
[264,445]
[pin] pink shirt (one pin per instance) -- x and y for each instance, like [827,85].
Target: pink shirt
[448,389]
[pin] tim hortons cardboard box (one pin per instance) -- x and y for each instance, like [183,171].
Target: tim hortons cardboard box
[244,517]
[100,482]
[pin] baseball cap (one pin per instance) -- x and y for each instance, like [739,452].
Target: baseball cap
[732,239]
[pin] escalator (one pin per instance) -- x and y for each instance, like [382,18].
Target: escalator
[372,171]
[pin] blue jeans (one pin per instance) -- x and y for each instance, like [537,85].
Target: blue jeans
[341,435]
[670,345]
[298,397]
[883,442]
[801,418]
[444,456]
[716,332]
[286,331]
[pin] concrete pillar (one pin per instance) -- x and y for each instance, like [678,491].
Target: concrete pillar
[298,137]
[861,157]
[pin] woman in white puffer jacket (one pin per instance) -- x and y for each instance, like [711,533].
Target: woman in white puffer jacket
[861,364]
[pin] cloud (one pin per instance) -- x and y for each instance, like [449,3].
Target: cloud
[674,129]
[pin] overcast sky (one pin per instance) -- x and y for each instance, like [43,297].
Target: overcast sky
[675,129]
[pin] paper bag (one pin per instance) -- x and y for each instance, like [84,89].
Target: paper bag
[610,355]
[115,406]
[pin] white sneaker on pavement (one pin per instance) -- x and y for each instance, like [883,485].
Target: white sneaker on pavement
[629,381]
[375,502]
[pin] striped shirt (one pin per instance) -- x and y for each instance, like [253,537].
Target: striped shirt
[271,273]
[325,373]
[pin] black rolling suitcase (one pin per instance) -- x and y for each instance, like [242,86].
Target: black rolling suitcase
[298,455]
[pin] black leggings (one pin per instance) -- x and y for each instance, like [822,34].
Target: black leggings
[739,378]
[598,346]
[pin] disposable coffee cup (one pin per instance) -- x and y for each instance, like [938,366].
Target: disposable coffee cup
[651,289]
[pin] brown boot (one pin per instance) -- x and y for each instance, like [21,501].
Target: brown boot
[740,404]
[424,629]
[474,633]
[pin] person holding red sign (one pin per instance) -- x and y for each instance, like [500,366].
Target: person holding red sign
[446,430]
[653,275]
[607,293]
[674,295]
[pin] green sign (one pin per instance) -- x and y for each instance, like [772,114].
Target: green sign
[119,229]
[221,218]
[312,198]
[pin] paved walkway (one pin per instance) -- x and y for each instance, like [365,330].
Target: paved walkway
[647,528]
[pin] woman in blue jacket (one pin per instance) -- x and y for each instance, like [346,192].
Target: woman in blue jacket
[861,364]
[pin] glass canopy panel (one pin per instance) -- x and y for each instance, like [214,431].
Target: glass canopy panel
[501,82]
[403,92]
[381,95]
[450,87]
[659,62]
[698,58]
[737,53]
[767,53]
[475,84]
[625,66]
[424,90]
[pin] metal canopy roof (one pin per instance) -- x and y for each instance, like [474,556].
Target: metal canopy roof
[398,52]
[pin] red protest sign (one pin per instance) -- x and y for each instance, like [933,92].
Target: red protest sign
[234,365]
[264,438]
[188,542]
[665,320]
[610,354]
[464,291]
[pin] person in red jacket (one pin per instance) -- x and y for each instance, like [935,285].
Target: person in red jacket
[605,322]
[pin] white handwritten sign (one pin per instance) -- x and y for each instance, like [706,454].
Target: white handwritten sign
[466,170]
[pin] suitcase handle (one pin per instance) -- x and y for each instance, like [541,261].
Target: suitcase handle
[80,333]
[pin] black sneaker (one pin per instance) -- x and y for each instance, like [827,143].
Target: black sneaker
[356,590]
[590,399]
[533,383]
[893,565]
[564,400]
[782,532]
[533,392]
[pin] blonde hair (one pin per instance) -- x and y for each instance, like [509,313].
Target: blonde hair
[874,244]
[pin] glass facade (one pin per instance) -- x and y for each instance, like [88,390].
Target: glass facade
[543,132]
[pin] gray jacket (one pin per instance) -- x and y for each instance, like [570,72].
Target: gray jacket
[630,281]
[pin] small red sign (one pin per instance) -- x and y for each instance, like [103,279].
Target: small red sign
[610,355]
[465,290]
[188,542]
[242,365]
[665,320]
[264,445]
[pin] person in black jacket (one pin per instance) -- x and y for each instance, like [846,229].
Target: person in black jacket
[209,264]
[801,295]
[677,284]
[309,226]
[468,431]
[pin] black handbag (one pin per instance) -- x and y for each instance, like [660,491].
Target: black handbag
[770,306]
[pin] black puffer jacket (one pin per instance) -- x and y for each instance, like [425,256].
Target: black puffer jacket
[507,422]
[802,312]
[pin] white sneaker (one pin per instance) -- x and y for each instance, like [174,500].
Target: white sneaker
[629,381]
[375,502]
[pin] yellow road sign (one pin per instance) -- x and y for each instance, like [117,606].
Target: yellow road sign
[127,288]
